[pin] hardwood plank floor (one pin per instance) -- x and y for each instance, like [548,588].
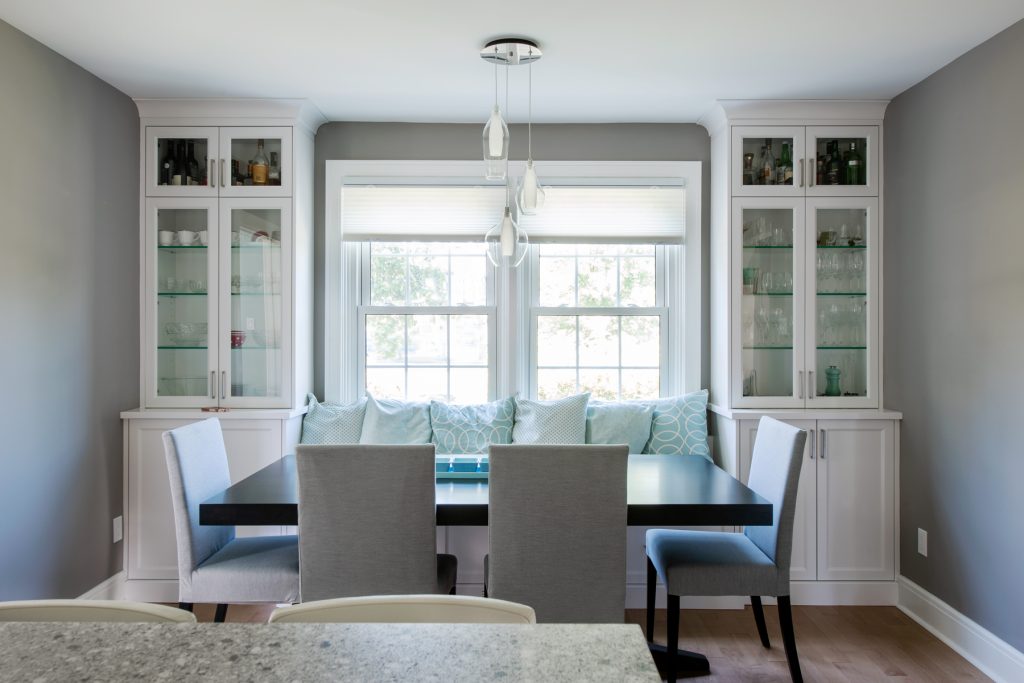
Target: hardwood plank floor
[840,644]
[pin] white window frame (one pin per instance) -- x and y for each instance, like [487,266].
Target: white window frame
[513,293]
[366,308]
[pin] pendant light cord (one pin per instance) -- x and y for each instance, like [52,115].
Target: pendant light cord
[508,196]
[529,120]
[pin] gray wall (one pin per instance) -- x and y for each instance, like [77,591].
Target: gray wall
[557,142]
[954,328]
[69,302]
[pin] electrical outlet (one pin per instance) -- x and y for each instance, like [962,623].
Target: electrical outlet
[250,324]
[922,542]
[118,528]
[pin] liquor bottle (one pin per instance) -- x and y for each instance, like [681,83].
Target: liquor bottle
[180,176]
[785,171]
[833,173]
[748,168]
[193,165]
[854,167]
[759,167]
[819,177]
[768,169]
[260,165]
[236,178]
[167,164]
[274,174]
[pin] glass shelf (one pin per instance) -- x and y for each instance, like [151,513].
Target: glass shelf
[178,246]
[182,348]
[784,246]
[840,246]
[255,293]
[255,348]
[271,245]
[768,348]
[842,348]
[769,294]
[842,293]
[181,293]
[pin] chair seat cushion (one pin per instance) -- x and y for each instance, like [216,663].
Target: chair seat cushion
[261,569]
[711,563]
[447,573]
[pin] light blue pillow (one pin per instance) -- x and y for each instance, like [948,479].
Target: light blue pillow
[328,423]
[472,428]
[628,423]
[680,425]
[391,421]
[556,422]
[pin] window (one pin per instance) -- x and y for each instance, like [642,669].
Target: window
[597,321]
[607,302]
[427,322]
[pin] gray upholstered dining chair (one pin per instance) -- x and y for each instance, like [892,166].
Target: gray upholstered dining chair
[557,523]
[754,563]
[367,522]
[214,565]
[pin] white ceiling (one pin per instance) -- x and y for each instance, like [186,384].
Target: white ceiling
[417,60]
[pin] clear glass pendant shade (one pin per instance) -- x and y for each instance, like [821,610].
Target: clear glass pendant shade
[530,196]
[495,146]
[506,243]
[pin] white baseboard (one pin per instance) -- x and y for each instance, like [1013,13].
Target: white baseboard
[996,658]
[111,588]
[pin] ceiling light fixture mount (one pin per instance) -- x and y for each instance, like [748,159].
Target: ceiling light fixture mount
[511,51]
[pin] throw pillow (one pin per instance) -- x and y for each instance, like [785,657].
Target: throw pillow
[471,429]
[556,422]
[392,421]
[628,423]
[680,425]
[329,423]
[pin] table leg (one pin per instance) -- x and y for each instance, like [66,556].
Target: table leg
[688,663]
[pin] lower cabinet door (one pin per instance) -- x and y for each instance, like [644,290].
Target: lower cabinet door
[856,500]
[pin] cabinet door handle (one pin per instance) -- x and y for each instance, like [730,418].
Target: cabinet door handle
[223,177]
[213,173]
[801,172]
[810,384]
[223,383]
[811,168]
[814,444]
[800,384]
[213,384]
[822,444]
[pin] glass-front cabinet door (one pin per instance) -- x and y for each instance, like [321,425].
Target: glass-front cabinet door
[842,160]
[182,312]
[255,162]
[767,161]
[181,161]
[768,272]
[255,286]
[842,279]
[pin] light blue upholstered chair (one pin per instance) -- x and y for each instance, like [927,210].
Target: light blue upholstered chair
[557,523]
[214,565]
[367,522]
[754,563]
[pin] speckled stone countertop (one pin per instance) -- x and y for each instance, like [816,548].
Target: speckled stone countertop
[323,652]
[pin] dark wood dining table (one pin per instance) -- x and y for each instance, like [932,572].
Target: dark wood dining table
[661,490]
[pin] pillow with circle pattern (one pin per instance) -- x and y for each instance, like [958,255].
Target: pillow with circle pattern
[471,429]
[680,425]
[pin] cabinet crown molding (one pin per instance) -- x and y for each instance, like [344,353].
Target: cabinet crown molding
[738,111]
[231,111]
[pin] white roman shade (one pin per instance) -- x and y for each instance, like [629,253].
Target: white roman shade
[571,213]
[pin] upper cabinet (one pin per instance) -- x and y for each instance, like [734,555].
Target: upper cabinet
[226,161]
[804,161]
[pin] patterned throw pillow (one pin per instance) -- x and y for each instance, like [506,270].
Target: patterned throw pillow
[556,422]
[390,421]
[471,429]
[329,423]
[680,425]
[628,423]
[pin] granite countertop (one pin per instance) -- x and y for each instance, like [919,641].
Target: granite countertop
[320,652]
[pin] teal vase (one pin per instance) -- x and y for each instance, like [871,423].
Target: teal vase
[832,381]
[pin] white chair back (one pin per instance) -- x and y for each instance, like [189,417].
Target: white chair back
[407,609]
[92,610]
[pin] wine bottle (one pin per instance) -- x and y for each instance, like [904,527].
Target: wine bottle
[167,164]
[759,167]
[179,176]
[768,170]
[833,173]
[785,171]
[260,165]
[854,167]
[193,165]
[274,174]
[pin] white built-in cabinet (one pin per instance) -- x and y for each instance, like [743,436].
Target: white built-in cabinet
[796,298]
[226,251]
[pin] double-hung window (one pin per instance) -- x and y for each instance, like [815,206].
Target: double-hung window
[607,301]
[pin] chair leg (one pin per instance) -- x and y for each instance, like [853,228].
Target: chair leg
[789,639]
[762,629]
[652,588]
[452,591]
[187,606]
[672,638]
[221,614]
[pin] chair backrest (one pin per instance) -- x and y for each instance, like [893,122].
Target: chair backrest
[366,521]
[557,521]
[198,467]
[91,610]
[407,609]
[774,474]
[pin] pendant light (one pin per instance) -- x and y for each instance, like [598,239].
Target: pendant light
[506,242]
[530,197]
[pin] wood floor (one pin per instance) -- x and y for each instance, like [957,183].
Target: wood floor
[841,644]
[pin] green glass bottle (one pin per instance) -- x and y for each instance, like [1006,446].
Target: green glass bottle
[785,172]
[854,167]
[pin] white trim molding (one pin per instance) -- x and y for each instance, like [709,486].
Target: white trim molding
[996,658]
[111,588]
